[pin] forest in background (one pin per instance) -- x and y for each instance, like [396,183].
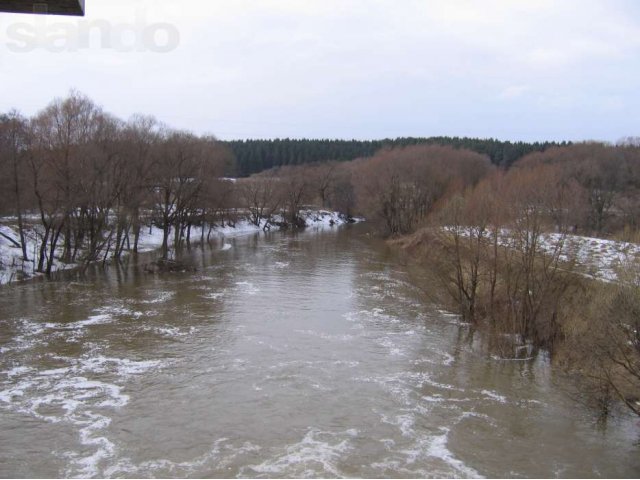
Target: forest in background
[254,155]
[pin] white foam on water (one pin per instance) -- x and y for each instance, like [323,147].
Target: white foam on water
[428,456]
[221,455]
[436,357]
[351,316]
[81,388]
[17,371]
[388,443]
[53,372]
[104,315]
[120,311]
[160,297]
[319,387]
[392,348]
[378,314]
[204,278]
[494,396]
[248,288]
[99,319]
[116,310]
[8,395]
[172,332]
[481,416]
[404,422]
[438,448]
[346,363]
[72,395]
[400,385]
[448,358]
[296,364]
[121,366]
[28,327]
[282,265]
[442,386]
[213,295]
[226,246]
[434,399]
[29,335]
[317,454]
[327,336]
[85,467]
[375,315]
[415,455]
[407,387]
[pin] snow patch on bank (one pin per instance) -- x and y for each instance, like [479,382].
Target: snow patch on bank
[325,218]
[601,258]
[597,258]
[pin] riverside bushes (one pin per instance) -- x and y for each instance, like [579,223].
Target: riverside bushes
[492,259]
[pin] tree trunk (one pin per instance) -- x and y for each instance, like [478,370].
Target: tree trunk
[165,240]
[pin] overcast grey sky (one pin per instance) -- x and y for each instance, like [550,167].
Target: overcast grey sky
[518,70]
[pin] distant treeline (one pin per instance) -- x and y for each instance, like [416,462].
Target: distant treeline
[253,156]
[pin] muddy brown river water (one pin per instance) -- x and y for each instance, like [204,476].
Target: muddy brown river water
[284,355]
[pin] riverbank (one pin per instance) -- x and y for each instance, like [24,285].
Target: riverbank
[574,299]
[13,268]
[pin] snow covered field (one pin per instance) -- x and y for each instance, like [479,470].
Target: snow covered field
[597,258]
[13,268]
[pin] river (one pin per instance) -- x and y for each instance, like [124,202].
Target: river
[284,355]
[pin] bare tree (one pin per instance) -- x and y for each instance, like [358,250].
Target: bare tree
[101,176]
[183,165]
[342,194]
[139,140]
[14,141]
[294,189]
[323,176]
[602,340]
[63,131]
[599,169]
[400,187]
[260,196]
